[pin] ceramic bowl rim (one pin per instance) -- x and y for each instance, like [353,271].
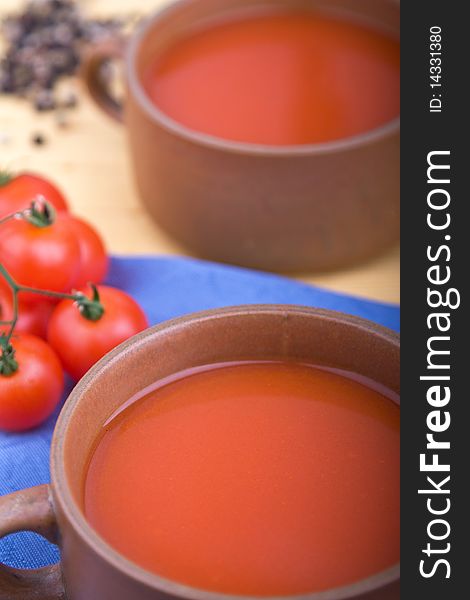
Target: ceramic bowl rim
[74,515]
[387,130]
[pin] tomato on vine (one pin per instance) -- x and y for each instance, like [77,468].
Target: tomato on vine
[45,255]
[31,382]
[32,316]
[41,250]
[82,333]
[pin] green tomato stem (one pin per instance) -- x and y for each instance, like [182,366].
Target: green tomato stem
[11,216]
[49,293]
[8,363]
[90,308]
[5,339]
[5,177]
[8,278]
[40,213]
[15,317]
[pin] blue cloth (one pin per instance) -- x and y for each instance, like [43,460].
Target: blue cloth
[165,288]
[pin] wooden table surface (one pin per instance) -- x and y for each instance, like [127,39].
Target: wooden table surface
[89,160]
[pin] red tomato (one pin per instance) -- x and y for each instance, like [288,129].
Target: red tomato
[33,317]
[94,260]
[18,193]
[41,257]
[79,342]
[29,396]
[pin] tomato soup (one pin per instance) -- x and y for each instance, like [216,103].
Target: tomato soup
[279,79]
[252,478]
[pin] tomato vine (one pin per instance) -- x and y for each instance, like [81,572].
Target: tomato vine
[39,214]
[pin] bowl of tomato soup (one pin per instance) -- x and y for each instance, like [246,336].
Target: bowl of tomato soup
[239,453]
[266,132]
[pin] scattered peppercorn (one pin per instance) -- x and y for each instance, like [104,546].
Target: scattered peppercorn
[39,139]
[44,44]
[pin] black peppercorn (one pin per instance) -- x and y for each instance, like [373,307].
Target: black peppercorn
[38,139]
[44,44]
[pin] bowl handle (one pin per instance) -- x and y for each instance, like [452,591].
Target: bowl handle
[93,60]
[30,510]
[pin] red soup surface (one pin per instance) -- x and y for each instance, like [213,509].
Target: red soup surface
[252,479]
[279,78]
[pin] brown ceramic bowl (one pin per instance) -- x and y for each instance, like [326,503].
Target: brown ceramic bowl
[90,569]
[307,207]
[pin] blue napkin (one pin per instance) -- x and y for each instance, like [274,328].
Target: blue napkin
[165,287]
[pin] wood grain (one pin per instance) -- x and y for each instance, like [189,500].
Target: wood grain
[89,160]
